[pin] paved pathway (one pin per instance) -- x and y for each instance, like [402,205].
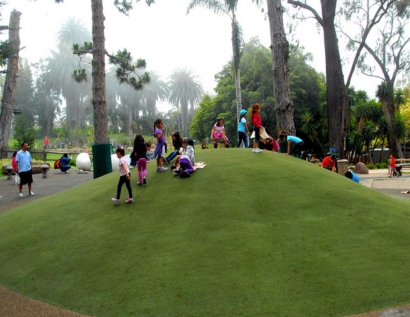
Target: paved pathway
[55,182]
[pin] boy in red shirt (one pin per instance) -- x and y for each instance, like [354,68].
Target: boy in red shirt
[393,165]
[329,162]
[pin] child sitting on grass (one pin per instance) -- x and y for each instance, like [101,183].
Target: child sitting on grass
[186,160]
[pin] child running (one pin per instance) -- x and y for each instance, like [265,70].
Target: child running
[140,152]
[257,123]
[159,149]
[125,177]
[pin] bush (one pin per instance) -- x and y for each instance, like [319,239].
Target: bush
[371,166]
[382,165]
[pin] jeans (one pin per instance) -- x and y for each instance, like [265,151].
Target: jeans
[242,137]
[172,155]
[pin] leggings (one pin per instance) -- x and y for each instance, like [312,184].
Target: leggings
[186,166]
[142,169]
[123,179]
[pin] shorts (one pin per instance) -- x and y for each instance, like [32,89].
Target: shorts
[26,177]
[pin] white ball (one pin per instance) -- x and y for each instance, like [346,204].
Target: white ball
[115,162]
[83,162]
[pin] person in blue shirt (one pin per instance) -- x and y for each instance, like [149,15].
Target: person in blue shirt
[353,176]
[294,144]
[64,163]
[23,160]
[242,127]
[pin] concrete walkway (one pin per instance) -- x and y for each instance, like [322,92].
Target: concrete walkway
[55,182]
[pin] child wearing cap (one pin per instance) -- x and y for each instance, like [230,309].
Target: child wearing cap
[242,127]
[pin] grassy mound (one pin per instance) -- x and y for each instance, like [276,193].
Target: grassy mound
[249,235]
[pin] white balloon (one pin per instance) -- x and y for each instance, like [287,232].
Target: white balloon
[83,162]
[115,162]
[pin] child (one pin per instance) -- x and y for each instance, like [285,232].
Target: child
[125,177]
[140,155]
[159,148]
[242,127]
[186,160]
[149,154]
[257,123]
[218,132]
[392,165]
[177,143]
[14,163]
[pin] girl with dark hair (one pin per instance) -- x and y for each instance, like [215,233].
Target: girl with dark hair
[177,144]
[125,177]
[140,155]
[160,147]
[242,127]
[218,132]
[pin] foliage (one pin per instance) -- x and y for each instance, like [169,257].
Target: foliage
[307,89]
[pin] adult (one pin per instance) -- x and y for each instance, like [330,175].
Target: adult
[218,132]
[243,130]
[65,163]
[46,143]
[329,163]
[177,144]
[24,162]
[353,176]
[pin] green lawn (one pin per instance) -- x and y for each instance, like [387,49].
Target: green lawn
[249,235]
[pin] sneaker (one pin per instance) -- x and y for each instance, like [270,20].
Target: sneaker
[144,181]
[20,195]
[176,172]
[185,174]
[258,150]
[173,167]
[129,200]
[162,169]
[254,151]
[116,200]
[31,193]
[139,184]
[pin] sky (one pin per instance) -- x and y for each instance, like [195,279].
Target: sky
[164,35]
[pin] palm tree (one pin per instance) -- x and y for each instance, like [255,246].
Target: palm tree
[228,7]
[61,66]
[383,94]
[156,90]
[184,89]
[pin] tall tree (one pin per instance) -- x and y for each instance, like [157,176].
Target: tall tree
[184,89]
[10,83]
[337,90]
[228,7]
[280,54]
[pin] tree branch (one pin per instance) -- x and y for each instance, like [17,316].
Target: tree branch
[309,8]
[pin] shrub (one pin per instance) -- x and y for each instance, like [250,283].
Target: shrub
[371,166]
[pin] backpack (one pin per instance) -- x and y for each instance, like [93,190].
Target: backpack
[57,164]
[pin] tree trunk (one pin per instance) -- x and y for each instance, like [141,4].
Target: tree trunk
[280,53]
[98,74]
[7,105]
[334,78]
[184,119]
[236,61]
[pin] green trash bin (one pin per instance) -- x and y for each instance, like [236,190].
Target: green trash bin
[102,159]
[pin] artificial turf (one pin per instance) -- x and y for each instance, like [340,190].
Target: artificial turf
[249,235]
